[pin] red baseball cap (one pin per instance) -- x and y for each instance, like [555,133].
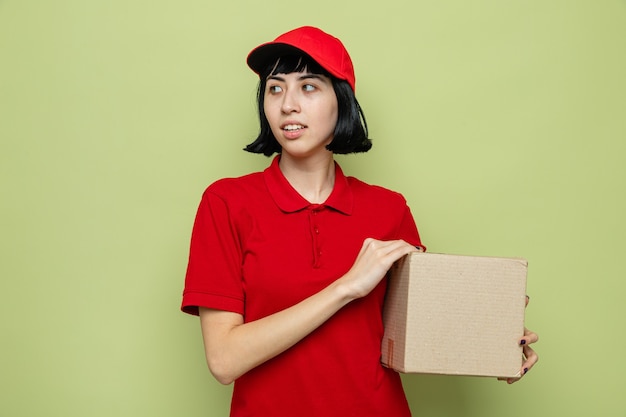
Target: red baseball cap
[325,49]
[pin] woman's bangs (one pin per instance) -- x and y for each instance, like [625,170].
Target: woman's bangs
[294,63]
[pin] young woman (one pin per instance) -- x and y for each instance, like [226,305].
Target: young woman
[287,266]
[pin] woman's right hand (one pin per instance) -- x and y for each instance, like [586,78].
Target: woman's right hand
[372,263]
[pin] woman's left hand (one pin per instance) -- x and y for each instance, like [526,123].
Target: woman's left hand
[529,354]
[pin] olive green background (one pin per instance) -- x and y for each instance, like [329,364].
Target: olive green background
[502,122]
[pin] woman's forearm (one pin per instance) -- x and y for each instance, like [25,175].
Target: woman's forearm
[233,348]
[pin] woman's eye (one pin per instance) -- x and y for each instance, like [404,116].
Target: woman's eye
[273,89]
[308,87]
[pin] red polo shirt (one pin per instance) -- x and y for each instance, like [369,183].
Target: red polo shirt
[258,247]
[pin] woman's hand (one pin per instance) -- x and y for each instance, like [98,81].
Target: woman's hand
[372,263]
[529,354]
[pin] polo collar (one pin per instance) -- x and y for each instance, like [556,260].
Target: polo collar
[289,200]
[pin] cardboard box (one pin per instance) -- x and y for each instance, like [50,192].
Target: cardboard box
[455,315]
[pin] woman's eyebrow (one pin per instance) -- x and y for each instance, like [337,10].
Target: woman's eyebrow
[314,76]
[275,77]
[301,78]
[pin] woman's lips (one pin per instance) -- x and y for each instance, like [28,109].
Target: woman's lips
[293,130]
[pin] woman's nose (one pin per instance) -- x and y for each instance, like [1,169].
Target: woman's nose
[290,103]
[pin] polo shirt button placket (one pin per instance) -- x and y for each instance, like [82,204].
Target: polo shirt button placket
[317,251]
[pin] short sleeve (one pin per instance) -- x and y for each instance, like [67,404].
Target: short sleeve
[213,278]
[408,230]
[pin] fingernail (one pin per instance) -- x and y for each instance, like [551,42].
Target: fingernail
[522,342]
[525,370]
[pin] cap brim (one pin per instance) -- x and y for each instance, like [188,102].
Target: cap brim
[261,56]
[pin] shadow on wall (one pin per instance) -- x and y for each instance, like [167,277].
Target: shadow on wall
[435,395]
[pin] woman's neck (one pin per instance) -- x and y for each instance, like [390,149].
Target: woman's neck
[312,178]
